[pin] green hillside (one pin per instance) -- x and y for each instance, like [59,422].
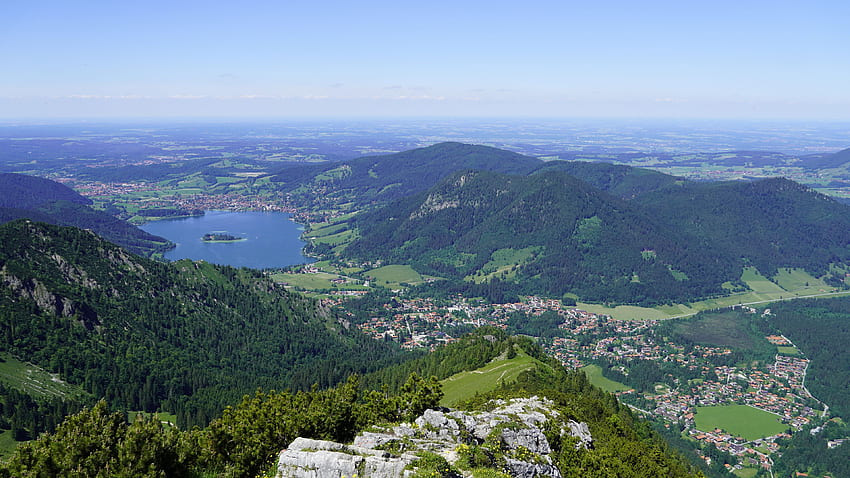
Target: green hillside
[374,180]
[44,200]
[380,179]
[550,233]
[771,224]
[187,338]
[245,440]
[465,385]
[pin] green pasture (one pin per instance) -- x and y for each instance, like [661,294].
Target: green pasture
[465,385]
[797,279]
[787,350]
[325,230]
[317,281]
[343,237]
[629,312]
[739,420]
[745,472]
[502,263]
[787,284]
[394,275]
[759,283]
[594,374]
[32,379]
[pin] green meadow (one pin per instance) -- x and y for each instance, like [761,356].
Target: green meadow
[32,379]
[594,374]
[739,420]
[786,284]
[393,276]
[465,385]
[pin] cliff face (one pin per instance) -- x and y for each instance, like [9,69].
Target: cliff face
[511,439]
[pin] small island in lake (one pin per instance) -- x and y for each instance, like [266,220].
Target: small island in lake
[221,237]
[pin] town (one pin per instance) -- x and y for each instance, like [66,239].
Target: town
[776,388]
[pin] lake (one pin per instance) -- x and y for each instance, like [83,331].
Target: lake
[271,238]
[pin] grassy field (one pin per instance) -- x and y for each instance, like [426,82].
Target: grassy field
[502,263]
[787,284]
[739,420]
[746,472]
[7,444]
[326,230]
[32,379]
[633,312]
[787,350]
[465,385]
[594,374]
[797,279]
[721,329]
[757,282]
[317,281]
[393,276]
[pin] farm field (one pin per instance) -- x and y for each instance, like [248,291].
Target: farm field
[465,385]
[594,374]
[739,420]
[632,312]
[317,281]
[393,276]
[787,284]
[759,283]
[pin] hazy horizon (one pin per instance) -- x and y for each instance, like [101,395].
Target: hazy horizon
[656,59]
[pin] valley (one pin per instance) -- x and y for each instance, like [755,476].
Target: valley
[665,289]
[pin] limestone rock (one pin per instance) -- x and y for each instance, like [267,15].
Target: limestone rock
[513,428]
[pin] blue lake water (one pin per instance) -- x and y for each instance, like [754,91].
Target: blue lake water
[271,239]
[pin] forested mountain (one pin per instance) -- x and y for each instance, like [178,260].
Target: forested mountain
[48,201]
[828,161]
[769,223]
[570,236]
[380,179]
[619,180]
[184,337]
[245,440]
[551,233]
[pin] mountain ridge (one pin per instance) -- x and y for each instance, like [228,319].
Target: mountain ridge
[680,241]
[48,201]
[187,337]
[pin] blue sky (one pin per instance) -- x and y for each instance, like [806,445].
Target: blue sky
[719,59]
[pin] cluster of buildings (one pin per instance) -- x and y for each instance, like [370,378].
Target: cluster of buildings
[777,388]
[187,202]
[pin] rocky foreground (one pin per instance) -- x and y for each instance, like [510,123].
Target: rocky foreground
[510,439]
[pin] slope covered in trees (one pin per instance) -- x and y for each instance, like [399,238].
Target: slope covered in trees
[184,337]
[245,439]
[674,241]
[769,223]
[48,201]
[381,179]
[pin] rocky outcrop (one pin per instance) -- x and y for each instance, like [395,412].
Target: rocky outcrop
[325,459]
[46,300]
[510,436]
